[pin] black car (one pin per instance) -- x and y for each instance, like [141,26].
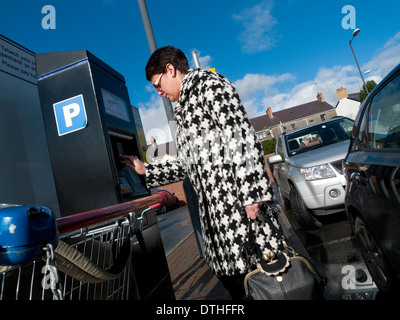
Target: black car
[372,170]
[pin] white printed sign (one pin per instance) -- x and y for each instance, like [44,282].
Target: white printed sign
[17,61]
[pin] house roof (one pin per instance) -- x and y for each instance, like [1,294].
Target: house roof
[354,96]
[290,114]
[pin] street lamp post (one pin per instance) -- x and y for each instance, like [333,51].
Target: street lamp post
[190,193]
[356,32]
[169,110]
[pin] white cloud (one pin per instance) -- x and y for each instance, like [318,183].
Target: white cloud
[393,41]
[260,91]
[385,59]
[252,83]
[254,87]
[258,24]
[154,120]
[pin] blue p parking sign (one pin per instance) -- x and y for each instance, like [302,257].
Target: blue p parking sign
[70,115]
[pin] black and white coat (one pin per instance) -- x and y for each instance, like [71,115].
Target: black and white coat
[219,152]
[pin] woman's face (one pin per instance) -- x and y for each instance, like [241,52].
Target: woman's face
[168,83]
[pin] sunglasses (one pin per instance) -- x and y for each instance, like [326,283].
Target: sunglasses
[157,84]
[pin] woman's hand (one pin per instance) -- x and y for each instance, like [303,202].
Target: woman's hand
[253,210]
[134,163]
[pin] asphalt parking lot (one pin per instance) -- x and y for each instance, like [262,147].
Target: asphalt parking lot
[336,254]
[332,248]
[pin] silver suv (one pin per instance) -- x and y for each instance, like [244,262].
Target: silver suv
[307,168]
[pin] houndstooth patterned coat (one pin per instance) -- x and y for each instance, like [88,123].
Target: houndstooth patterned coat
[219,152]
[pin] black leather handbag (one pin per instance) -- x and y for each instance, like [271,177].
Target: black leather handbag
[284,275]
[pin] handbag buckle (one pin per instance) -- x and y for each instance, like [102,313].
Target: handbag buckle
[276,266]
[269,256]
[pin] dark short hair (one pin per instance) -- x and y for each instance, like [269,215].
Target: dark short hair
[162,56]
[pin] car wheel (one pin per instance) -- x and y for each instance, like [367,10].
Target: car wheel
[302,214]
[373,257]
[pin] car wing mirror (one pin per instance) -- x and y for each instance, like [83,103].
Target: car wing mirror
[276,158]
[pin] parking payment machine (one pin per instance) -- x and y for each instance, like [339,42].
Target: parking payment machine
[89,123]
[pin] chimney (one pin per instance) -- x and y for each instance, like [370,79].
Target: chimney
[341,93]
[269,112]
[320,96]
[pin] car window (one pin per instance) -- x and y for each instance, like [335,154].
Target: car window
[384,117]
[362,134]
[317,136]
[347,127]
[279,149]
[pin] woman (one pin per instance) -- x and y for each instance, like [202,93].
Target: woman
[152,150]
[220,154]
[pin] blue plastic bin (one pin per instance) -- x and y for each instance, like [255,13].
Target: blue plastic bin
[24,231]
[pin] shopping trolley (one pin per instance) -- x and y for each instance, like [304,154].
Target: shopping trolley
[89,260]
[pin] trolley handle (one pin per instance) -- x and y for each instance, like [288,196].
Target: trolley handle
[88,218]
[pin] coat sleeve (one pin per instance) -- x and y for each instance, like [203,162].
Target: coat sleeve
[242,150]
[160,174]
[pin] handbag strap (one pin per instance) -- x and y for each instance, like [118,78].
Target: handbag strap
[280,260]
[263,218]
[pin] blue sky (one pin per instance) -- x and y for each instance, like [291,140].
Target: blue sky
[277,53]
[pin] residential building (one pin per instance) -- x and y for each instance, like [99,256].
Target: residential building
[271,125]
[348,104]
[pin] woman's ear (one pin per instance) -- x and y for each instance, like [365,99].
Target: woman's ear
[171,69]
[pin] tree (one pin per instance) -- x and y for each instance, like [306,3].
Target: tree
[371,84]
[268,146]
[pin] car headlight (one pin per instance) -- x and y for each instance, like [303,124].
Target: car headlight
[318,172]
